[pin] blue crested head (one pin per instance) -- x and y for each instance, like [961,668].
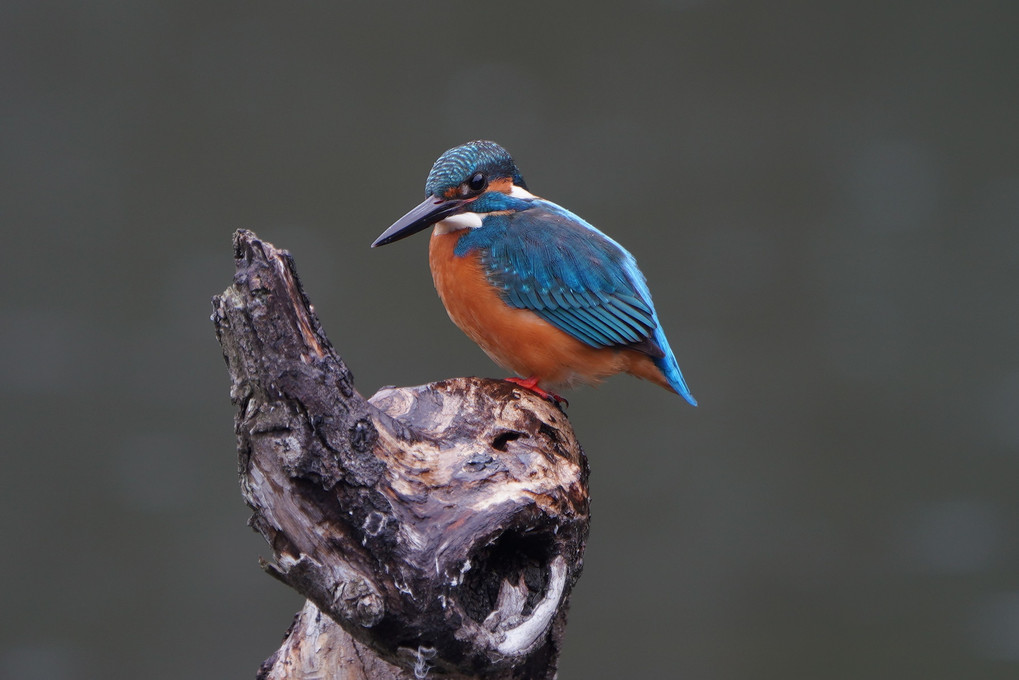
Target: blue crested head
[456,167]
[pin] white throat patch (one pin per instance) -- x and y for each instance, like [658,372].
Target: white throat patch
[464,220]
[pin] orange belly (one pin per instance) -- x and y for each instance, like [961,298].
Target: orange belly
[518,339]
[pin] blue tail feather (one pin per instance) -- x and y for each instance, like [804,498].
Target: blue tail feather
[670,367]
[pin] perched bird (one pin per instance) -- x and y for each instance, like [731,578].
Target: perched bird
[544,293]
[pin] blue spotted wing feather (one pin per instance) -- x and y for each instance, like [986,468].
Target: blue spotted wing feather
[549,261]
[544,258]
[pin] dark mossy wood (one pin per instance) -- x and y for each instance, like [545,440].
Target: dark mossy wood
[441,527]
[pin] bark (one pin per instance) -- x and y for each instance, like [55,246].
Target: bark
[435,530]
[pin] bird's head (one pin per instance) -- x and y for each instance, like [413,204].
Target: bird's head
[457,180]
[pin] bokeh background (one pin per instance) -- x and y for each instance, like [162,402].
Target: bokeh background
[824,196]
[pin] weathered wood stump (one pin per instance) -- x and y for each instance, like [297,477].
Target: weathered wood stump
[434,530]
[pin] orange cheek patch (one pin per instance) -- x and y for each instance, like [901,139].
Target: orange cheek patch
[504,185]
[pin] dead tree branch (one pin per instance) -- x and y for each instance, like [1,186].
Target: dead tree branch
[435,529]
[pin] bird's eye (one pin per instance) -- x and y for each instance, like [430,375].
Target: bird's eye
[477,182]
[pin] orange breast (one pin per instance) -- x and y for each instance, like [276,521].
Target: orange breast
[518,339]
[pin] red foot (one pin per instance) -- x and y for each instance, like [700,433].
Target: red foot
[532,385]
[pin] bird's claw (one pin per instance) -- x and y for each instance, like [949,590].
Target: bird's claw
[532,385]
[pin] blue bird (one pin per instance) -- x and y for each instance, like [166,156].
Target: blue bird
[545,294]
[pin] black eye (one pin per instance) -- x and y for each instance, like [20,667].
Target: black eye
[477,182]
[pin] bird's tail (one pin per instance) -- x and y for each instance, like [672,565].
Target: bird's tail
[670,368]
[667,374]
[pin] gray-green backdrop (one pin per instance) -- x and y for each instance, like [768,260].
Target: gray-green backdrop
[823,195]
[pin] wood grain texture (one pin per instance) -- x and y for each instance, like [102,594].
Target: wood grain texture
[440,527]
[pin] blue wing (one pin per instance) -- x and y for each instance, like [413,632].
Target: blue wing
[546,259]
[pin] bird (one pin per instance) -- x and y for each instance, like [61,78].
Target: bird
[545,294]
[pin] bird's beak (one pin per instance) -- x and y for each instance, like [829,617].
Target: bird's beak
[430,211]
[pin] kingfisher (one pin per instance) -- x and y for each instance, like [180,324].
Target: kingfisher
[544,293]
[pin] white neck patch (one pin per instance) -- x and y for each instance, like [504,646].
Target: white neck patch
[464,220]
[520,192]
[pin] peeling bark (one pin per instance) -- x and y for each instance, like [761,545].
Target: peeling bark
[435,529]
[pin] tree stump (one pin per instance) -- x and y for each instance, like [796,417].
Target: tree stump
[435,530]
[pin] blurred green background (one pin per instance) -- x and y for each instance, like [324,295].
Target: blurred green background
[824,197]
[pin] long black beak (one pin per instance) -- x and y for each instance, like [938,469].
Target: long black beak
[430,211]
